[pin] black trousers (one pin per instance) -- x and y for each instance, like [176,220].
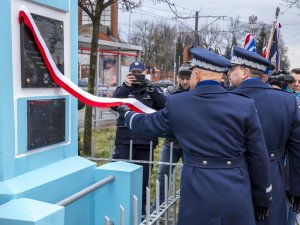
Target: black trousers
[139,152]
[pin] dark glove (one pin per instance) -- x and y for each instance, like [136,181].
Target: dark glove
[261,213]
[295,202]
[122,110]
[149,86]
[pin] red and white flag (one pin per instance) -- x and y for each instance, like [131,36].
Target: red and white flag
[249,43]
[67,84]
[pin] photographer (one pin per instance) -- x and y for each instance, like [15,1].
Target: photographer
[138,87]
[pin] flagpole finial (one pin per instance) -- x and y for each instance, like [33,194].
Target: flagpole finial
[277,12]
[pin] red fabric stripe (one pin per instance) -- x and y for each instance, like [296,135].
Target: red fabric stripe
[248,36]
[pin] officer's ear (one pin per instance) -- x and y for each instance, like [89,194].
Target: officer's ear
[197,74]
[246,73]
[264,78]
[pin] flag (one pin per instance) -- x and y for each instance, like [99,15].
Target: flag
[250,44]
[274,52]
[264,52]
[65,83]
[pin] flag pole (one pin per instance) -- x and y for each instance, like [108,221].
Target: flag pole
[272,33]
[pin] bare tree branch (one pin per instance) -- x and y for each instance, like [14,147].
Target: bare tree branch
[157,40]
[293,3]
[108,3]
[92,7]
[83,6]
[130,4]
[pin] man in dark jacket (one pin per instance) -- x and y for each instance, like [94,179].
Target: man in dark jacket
[136,86]
[280,121]
[226,167]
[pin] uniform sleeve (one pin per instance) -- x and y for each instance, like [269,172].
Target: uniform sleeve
[258,161]
[293,151]
[156,124]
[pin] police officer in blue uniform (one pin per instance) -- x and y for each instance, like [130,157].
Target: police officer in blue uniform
[225,175]
[280,120]
[138,87]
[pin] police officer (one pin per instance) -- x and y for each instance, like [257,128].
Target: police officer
[138,87]
[226,169]
[280,120]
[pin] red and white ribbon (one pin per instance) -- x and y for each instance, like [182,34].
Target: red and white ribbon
[67,84]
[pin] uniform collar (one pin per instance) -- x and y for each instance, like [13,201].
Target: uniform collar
[209,87]
[207,82]
[253,83]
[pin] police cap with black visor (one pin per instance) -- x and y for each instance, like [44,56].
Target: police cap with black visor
[251,60]
[207,60]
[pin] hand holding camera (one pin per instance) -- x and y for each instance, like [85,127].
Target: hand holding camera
[139,80]
[130,79]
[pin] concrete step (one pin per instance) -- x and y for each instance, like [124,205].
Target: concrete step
[51,183]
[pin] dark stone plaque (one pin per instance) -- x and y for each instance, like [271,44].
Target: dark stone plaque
[45,122]
[33,69]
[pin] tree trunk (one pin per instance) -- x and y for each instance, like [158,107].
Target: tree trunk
[87,137]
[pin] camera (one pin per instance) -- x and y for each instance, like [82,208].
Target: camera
[139,79]
[281,79]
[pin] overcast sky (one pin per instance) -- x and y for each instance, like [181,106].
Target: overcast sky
[263,9]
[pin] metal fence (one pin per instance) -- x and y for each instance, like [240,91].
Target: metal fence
[156,213]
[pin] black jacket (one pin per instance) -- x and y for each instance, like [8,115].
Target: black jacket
[155,100]
[176,89]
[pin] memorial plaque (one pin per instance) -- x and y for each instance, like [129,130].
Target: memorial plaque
[45,122]
[33,69]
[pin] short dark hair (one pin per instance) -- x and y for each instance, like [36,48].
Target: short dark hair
[296,70]
[253,72]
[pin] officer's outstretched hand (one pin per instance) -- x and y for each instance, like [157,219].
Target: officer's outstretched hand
[295,202]
[261,213]
[122,110]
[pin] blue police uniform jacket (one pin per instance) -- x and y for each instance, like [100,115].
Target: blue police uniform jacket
[155,100]
[226,168]
[280,121]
